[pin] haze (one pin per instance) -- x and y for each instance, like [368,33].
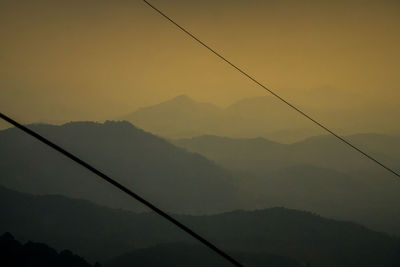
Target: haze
[132,96]
[96,60]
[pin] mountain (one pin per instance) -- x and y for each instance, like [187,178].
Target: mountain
[369,200]
[96,232]
[328,152]
[104,234]
[266,116]
[178,181]
[260,154]
[182,254]
[319,174]
[238,154]
[182,117]
[166,175]
[13,253]
[178,117]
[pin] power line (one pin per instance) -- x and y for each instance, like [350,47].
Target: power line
[272,92]
[122,188]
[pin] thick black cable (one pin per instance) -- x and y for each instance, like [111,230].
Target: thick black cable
[122,188]
[272,92]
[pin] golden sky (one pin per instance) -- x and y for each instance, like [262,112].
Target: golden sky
[99,59]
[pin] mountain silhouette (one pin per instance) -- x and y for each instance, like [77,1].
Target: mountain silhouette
[183,117]
[258,154]
[100,234]
[169,176]
[183,254]
[177,117]
[317,174]
[31,254]
[257,173]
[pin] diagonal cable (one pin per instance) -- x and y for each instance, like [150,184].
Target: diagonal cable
[272,92]
[122,188]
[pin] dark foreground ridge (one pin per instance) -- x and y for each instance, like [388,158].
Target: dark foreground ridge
[31,254]
[182,255]
[100,234]
[123,189]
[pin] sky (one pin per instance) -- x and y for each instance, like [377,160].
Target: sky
[100,59]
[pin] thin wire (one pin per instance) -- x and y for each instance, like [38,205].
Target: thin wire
[272,92]
[122,188]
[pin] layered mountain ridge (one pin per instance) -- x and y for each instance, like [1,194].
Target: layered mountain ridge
[274,235]
[183,117]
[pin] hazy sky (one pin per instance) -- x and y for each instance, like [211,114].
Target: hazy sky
[87,59]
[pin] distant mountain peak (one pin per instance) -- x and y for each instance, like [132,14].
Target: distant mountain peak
[185,100]
[182,97]
[85,124]
[177,101]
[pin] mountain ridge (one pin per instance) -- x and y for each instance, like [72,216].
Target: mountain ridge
[134,157]
[258,116]
[301,235]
